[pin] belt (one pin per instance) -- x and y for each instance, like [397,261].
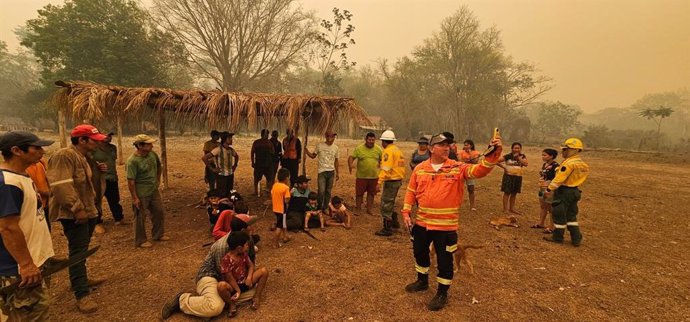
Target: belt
[566,188]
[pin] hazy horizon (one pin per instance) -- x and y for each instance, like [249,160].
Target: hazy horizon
[599,53]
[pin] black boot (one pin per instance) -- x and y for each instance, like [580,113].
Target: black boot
[438,301]
[417,286]
[575,235]
[556,237]
[395,224]
[386,230]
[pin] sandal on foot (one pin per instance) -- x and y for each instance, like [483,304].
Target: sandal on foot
[537,226]
[547,231]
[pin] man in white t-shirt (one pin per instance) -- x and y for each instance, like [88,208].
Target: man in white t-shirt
[327,153]
[25,242]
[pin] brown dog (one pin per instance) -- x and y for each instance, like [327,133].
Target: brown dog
[510,221]
[460,255]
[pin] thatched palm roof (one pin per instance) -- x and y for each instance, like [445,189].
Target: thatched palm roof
[85,100]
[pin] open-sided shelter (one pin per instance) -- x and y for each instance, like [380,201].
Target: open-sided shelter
[232,110]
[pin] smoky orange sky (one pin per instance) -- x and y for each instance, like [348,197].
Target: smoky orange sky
[599,53]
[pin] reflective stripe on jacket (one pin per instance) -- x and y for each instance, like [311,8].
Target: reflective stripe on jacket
[439,194]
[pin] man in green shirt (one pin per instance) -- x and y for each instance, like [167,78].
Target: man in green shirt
[143,176]
[107,153]
[368,156]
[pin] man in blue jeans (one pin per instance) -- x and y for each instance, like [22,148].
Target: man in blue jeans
[327,153]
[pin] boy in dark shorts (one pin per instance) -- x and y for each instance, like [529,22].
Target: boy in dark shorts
[312,209]
[338,215]
[239,273]
[280,195]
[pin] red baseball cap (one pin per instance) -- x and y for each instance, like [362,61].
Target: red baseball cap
[87,130]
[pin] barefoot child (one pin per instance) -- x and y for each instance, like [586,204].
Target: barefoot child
[511,184]
[547,173]
[312,208]
[338,214]
[280,195]
[239,273]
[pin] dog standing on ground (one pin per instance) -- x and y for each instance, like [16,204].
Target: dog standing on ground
[460,255]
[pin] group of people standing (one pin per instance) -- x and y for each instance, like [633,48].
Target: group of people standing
[434,194]
[68,189]
[267,154]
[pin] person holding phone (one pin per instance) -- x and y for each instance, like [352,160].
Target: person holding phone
[437,187]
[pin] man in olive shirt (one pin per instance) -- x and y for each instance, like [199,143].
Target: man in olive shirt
[368,156]
[143,177]
[107,154]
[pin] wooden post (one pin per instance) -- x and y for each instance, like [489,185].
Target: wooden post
[62,128]
[164,152]
[119,140]
[304,149]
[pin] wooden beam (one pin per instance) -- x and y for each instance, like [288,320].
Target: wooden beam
[164,151]
[304,148]
[120,161]
[62,128]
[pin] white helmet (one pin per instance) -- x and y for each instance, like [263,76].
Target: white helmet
[388,135]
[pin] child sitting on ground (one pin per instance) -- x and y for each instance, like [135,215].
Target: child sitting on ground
[338,214]
[214,203]
[280,195]
[230,220]
[239,273]
[312,209]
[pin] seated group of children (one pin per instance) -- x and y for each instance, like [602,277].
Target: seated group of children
[335,215]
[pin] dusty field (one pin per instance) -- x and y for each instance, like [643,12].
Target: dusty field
[633,264]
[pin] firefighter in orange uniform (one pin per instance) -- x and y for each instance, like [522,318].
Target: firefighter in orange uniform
[437,187]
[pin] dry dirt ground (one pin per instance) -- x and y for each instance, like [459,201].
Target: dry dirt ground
[633,264]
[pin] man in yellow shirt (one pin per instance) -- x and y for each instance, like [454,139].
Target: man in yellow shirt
[564,189]
[390,179]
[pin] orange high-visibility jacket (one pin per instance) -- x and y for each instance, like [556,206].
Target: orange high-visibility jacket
[439,194]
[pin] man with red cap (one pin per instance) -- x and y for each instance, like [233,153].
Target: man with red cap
[73,205]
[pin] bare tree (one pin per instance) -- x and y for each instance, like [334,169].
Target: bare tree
[241,42]
[334,38]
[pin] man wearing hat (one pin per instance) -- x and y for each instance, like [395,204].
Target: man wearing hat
[26,242]
[73,204]
[327,153]
[390,179]
[223,162]
[143,179]
[565,192]
[106,153]
[368,156]
[437,187]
